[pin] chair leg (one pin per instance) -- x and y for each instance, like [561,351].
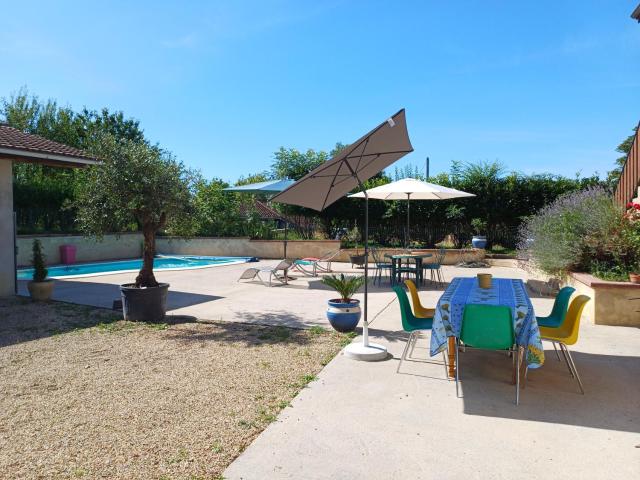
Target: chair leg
[517,375]
[404,352]
[415,340]
[566,359]
[575,370]
[457,368]
[556,349]
[446,366]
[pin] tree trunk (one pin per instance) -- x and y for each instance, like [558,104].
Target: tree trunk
[146,278]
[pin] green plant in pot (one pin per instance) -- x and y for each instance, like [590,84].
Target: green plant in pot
[136,186]
[479,239]
[354,237]
[41,287]
[344,313]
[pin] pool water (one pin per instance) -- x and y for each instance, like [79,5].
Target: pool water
[163,262]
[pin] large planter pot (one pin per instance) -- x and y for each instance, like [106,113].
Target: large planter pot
[344,317]
[144,304]
[41,291]
[634,277]
[357,260]
[479,241]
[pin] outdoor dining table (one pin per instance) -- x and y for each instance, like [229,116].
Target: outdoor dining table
[396,263]
[508,292]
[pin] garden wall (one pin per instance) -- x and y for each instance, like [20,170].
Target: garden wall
[129,245]
[612,303]
[245,247]
[112,247]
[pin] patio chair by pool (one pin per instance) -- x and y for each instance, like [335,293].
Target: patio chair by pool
[413,325]
[312,265]
[435,267]
[273,272]
[567,334]
[418,310]
[488,327]
[380,266]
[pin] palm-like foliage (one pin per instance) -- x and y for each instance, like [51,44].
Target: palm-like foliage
[346,286]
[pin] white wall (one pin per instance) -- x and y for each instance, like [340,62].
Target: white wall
[7,274]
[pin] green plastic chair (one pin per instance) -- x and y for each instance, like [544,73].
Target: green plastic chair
[488,327]
[412,325]
[558,312]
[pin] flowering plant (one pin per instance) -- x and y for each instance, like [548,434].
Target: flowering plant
[633,212]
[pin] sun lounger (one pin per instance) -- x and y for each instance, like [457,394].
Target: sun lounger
[279,273]
[312,265]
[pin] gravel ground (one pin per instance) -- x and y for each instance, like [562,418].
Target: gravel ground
[87,395]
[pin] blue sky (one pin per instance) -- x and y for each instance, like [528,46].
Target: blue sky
[545,86]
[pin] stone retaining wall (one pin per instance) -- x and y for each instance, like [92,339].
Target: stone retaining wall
[612,303]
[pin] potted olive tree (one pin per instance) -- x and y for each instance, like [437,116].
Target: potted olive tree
[141,186]
[344,312]
[41,287]
[479,226]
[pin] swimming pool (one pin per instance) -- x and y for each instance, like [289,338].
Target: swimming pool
[161,262]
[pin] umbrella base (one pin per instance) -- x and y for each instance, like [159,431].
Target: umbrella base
[371,353]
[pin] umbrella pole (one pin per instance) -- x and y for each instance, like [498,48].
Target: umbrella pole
[365,327]
[365,351]
[285,238]
[408,206]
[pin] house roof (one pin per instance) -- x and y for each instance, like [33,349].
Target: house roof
[264,211]
[636,13]
[26,147]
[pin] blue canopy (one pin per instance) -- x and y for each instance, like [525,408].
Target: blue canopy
[270,186]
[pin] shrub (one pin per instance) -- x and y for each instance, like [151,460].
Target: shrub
[37,260]
[575,231]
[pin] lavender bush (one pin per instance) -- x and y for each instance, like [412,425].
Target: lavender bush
[572,232]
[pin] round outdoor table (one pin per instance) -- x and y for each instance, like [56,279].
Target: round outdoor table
[396,262]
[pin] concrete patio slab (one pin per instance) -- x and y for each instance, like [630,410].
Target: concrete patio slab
[364,420]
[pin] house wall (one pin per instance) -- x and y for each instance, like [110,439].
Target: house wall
[7,273]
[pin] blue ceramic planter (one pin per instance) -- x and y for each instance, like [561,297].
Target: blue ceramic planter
[479,241]
[344,317]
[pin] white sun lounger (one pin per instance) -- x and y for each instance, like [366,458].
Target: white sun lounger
[279,273]
[311,265]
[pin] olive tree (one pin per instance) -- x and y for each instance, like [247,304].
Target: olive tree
[135,184]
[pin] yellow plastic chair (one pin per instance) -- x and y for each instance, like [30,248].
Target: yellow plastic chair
[418,310]
[567,334]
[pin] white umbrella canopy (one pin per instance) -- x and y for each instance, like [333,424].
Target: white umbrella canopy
[412,189]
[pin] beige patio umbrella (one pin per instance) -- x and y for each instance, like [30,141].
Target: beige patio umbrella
[332,180]
[412,189]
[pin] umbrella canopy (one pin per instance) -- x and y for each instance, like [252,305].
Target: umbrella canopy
[332,180]
[412,189]
[269,187]
[358,162]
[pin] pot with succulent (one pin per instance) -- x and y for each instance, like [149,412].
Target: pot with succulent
[41,287]
[344,312]
[479,226]
[136,184]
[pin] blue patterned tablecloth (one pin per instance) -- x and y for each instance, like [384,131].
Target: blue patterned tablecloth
[504,291]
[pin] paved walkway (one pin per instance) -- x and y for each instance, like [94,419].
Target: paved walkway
[364,420]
